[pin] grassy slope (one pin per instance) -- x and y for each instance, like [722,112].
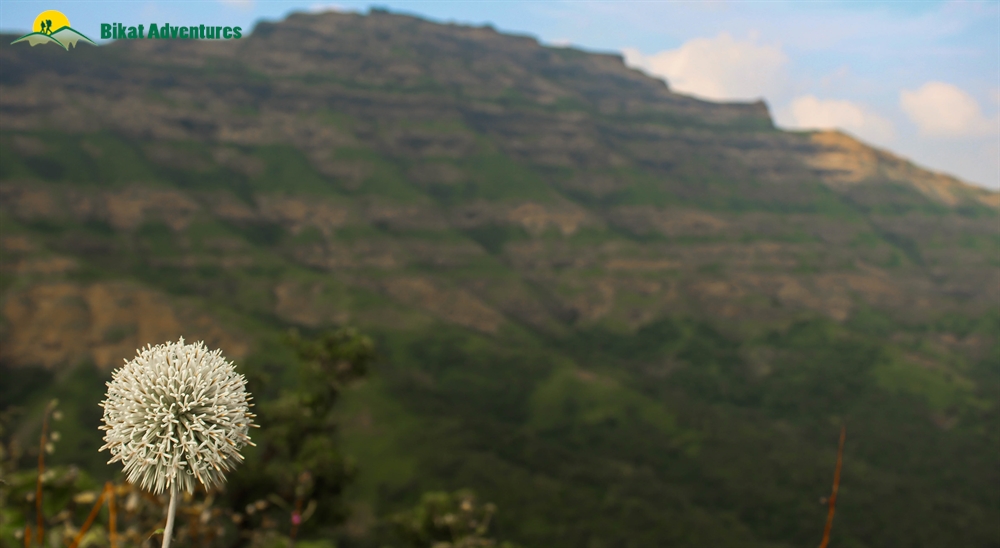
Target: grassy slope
[596,436]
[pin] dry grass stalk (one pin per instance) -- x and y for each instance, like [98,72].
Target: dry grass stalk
[296,519]
[90,518]
[39,526]
[836,486]
[109,488]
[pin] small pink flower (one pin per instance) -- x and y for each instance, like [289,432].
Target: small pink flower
[296,518]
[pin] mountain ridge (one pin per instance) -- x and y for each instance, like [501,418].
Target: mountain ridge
[317,33]
[572,167]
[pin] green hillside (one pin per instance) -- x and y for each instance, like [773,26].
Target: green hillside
[628,317]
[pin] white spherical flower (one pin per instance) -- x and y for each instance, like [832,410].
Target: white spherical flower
[174,414]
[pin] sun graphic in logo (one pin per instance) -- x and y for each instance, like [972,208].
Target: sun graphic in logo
[50,21]
[52,26]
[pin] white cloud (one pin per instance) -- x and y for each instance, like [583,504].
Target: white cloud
[943,110]
[324,8]
[810,112]
[719,68]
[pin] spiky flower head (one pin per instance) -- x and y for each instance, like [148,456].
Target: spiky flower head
[174,414]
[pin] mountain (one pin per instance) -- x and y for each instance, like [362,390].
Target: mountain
[627,316]
[65,37]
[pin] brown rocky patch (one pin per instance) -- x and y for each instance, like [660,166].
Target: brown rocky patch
[26,203]
[443,254]
[416,142]
[42,266]
[641,265]
[92,150]
[841,159]
[536,218]
[125,209]
[669,222]
[303,304]
[453,305]
[233,159]
[54,325]
[169,156]
[337,255]
[350,173]
[591,300]
[596,184]
[436,174]
[128,209]
[515,300]
[228,207]
[296,214]
[844,161]
[405,217]
[29,146]
[16,244]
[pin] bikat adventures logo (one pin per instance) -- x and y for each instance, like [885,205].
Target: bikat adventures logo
[53,27]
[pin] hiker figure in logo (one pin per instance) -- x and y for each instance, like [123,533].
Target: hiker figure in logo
[47,26]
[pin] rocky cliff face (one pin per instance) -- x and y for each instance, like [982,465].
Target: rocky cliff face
[482,131]
[458,147]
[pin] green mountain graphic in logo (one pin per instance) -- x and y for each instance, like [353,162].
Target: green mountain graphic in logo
[64,35]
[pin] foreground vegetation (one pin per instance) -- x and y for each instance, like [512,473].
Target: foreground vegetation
[671,437]
[289,493]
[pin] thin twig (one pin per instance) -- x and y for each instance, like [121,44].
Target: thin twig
[39,527]
[836,486]
[296,519]
[90,520]
[112,515]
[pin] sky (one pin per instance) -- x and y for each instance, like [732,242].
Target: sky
[920,79]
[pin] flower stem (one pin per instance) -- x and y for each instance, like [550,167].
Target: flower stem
[169,529]
[836,486]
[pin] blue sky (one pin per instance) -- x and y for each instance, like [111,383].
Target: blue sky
[921,79]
